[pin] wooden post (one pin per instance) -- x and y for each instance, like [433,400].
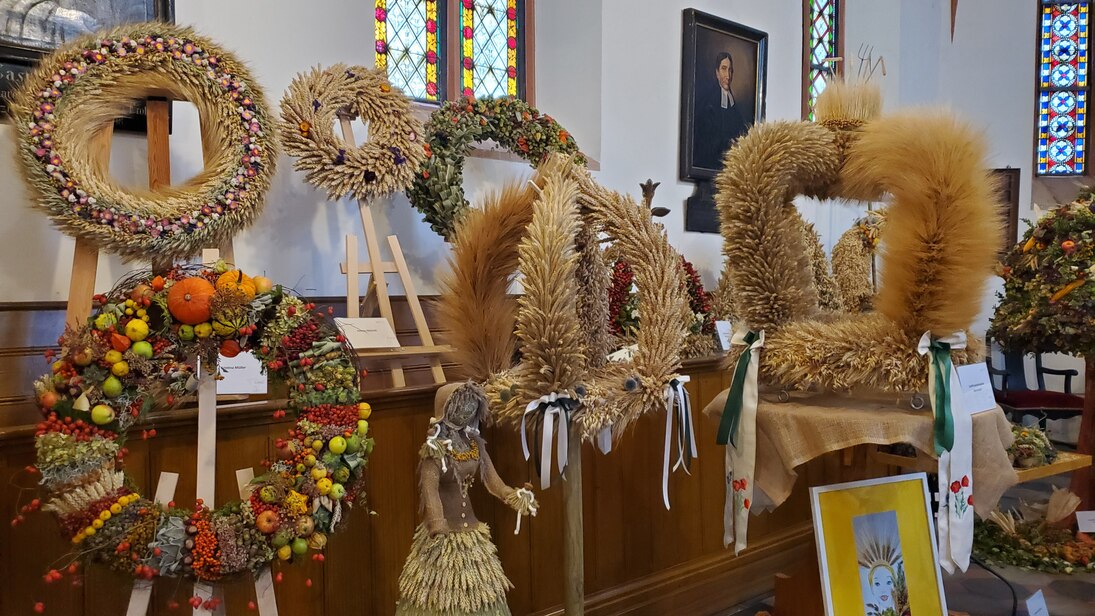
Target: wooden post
[573,532]
[1083,480]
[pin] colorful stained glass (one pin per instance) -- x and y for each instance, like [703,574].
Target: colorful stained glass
[824,33]
[1063,89]
[408,46]
[490,48]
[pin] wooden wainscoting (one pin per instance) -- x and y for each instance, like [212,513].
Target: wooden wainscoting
[640,558]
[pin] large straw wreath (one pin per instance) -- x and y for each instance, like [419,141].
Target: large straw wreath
[438,190]
[384,164]
[76,93]
[563,338]
[940,235]
[136,356]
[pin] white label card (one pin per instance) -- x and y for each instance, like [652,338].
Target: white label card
[976,388]
[1036,605]
[241,374]
[368,333]
[726,333]
[1085,520]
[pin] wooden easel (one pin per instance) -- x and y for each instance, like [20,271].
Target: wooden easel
[377,291]
[85,262]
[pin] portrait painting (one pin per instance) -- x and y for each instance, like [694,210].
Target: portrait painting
[31,28]
[722,89]
[877,548]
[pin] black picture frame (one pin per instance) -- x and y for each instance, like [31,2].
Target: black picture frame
[17,60]
[705,35]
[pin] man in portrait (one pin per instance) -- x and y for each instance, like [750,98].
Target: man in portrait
[718,120]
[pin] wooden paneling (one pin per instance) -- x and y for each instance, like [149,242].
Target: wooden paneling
[640,558]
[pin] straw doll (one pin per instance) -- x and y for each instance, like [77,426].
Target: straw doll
[453,568]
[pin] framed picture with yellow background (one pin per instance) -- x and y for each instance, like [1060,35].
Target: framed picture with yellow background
[876,548]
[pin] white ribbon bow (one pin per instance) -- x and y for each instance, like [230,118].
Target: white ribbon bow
[677,403]
[553,410]
[956,513]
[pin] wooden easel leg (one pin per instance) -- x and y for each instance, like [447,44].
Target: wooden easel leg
[142,589]
[264,582]
[573,531]
[159,158]
[353,298]
[415,306]
[81,286]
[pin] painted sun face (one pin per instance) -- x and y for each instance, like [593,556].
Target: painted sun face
[882,586]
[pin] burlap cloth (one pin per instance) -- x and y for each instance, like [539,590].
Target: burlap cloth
[809,425]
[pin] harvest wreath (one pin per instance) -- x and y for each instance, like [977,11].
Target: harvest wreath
[75,95]
[136,355]
[438,190]
[384,164]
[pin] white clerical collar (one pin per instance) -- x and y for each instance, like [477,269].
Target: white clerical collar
[727,98]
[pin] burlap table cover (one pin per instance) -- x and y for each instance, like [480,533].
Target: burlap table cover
[809,425]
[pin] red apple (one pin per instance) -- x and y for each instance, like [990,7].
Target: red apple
[262,284]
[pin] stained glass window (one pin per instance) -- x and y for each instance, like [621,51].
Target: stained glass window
[408,45]
[1063,89]
[823,37]
[491,46]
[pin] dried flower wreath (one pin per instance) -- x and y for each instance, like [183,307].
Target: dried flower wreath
[75,94]
[939,253]
[384,164]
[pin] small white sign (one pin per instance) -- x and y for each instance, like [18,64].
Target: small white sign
[241,374]
[976,388]
[1086,521]
[368,333]
[1036,605]
[726,333]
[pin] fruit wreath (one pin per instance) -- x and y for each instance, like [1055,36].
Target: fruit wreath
[72,99]
[515,125]
[137,355]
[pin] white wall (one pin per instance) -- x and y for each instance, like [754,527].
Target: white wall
[298,240]
[640,93]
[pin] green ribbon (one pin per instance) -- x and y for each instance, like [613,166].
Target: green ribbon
[731,413]
[944,419]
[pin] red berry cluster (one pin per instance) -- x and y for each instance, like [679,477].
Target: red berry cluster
[78,428]
[345,415]
[299,340]
[698,300]
[257,506]
[618,294]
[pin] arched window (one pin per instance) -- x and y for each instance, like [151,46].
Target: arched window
[1063,89]
[822,40]
[436,50]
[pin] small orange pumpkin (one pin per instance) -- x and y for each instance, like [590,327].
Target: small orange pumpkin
[238,281]
[188,300]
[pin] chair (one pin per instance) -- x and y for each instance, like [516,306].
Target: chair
[1017,400]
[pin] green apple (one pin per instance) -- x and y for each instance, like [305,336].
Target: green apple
[337,491]
[337,444]
[300,546]
[353,444]
[142,349]
[112,387]
[282,537]
[341,474]
[186,332]
[102,414]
